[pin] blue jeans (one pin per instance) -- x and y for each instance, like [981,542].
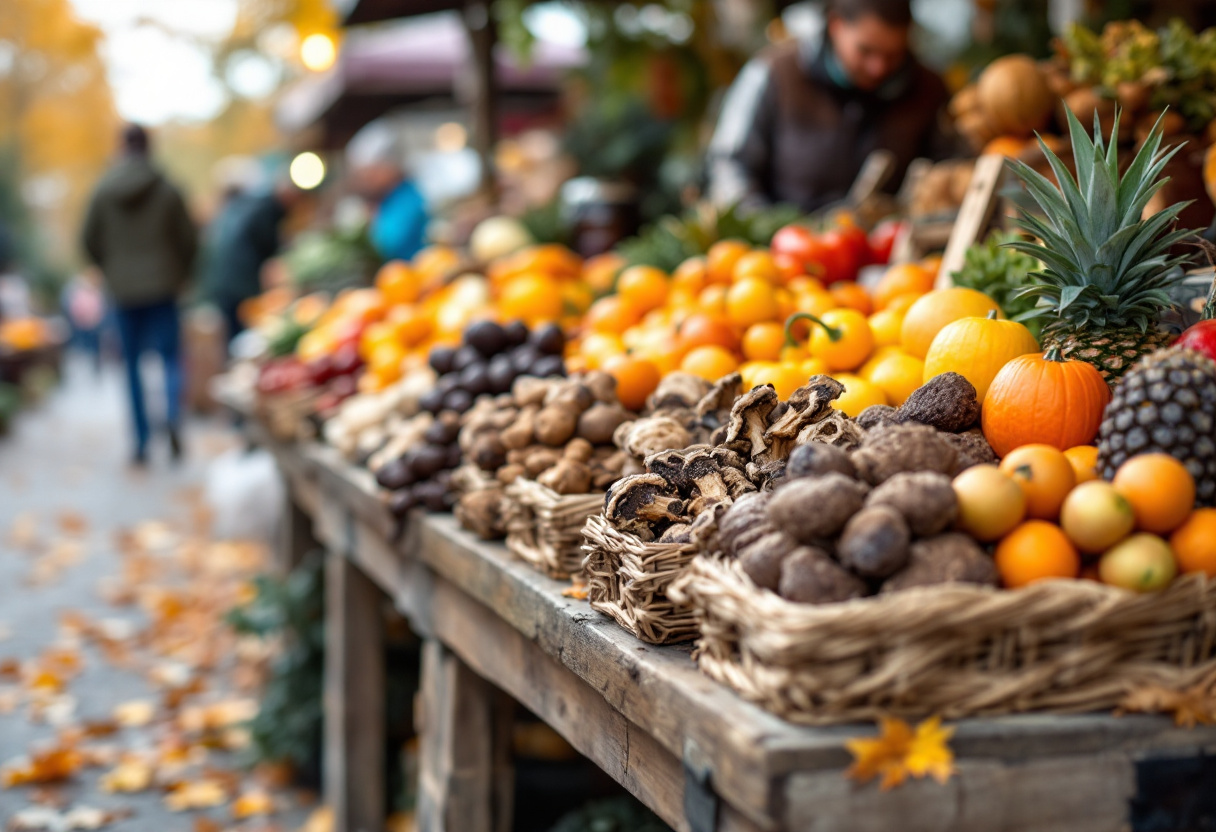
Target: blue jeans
[156,328]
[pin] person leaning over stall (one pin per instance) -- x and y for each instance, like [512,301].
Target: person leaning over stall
[139,233]
[802,116]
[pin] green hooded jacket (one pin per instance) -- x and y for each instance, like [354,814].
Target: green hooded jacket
[140,234]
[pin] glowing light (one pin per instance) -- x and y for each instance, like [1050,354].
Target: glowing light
[307,171]
[318,52]
[450,137]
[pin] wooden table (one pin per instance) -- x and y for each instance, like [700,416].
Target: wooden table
[690,749]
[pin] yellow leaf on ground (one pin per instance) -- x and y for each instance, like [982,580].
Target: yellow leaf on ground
[251,803]
[196,794]
[321,820]
[134,714]
[899,751]
[47,766]
[133,774]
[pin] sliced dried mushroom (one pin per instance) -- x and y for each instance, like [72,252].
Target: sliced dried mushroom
[721,396]
[650,435]
[640,502]
[749,421]
[807,405]
[835,429]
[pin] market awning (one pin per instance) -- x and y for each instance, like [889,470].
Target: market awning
[420,60]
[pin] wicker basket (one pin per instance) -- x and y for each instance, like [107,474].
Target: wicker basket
[545,529]
[628,580]
[955,650]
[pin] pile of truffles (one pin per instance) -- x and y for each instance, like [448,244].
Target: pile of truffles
[555,431]
[848,524]
[747,450]
[490,359]
[946,403]
[416,464]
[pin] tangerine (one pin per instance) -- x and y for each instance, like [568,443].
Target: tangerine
[1160,489]
[1045,475]
[613,314]
[903,279]
[1036,551]
[702,329]
[1084,461]
[1194,542]
[636,379]
[721,259]
[752,300]
[643,287]
[709,362]
[763,341]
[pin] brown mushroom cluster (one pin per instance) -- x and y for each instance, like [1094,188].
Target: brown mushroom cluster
[845,524]
[702,447]
[556,431]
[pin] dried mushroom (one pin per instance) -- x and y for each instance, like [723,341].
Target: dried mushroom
[571,474]
[887,451]
[676,533]
[528,390]
[601,384]
[555,424]
[835,429]
[875,542]
[488,452]
[810,576]
[925,499]
[655,433]
[521,432]
[878,414]
[944,559]
[749,421]
[720,398]
[947,402]
[807,405]
[816,507]
[746,514]
[678,391]
[641,503]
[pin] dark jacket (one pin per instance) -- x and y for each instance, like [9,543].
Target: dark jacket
[792,130]
[140,234]
[243,237]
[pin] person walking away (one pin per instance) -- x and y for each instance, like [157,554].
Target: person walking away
[801,117]
[84,305]
[246,234]
[138,232]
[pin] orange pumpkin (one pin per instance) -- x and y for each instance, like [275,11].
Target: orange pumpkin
[1044,400]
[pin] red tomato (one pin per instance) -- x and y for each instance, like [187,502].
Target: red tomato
[855,240]
[796,241]
[882,240]
[1201,337]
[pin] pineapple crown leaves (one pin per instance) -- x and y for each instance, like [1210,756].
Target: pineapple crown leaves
[1103,265]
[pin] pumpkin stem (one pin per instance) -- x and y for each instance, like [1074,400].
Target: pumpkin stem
[991,315]
[834,333]
[1053,354]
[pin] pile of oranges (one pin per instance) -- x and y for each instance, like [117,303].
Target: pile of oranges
[1052,517]
[745,309]
[24,334]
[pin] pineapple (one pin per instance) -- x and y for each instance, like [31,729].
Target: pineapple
[1106,272]
[1165,404]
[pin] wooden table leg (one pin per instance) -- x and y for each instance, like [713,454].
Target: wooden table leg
[295,536]
[354,698]
[466,781]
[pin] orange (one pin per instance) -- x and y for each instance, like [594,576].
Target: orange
[752,300]
[1160,489]
[702,329]
[902,279]
[689,276]
[1084,461]
[1035,551]
[531,297]
[1194,542]
[597,348]
[852,296]
[636,378]
[643,287]
[763,341]
[1045,475]
[710,363]
[611,314]
[721,259]
[398,283]
[757,264]
[600,271]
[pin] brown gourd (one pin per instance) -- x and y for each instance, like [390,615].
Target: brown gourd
[1014,96]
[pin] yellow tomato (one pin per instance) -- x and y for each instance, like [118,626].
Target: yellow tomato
[886,326]
[877,357]
[710,362]
[806,284]
[644,287]
[763,341]
[713,299]
[531,297]
[756,264]
[752,300]
[812,367]
[816,303]
[897,376]
[858,395]
[597,347]
[841,337]
[785,377]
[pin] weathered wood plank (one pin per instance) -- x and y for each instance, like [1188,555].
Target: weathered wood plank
[354,698]
[465,777]
[973,215]
[1055,794]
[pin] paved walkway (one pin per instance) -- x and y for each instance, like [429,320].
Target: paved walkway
[110,594]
